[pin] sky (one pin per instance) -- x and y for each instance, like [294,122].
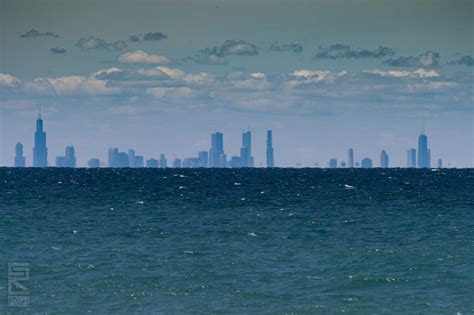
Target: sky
[161,76]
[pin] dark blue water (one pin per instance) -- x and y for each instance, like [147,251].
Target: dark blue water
[246,241]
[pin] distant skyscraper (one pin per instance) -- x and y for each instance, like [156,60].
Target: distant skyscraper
[139,161]
[117,158]
[440,163]
[177,163]
[366,163]
[113,157]
[411,158]
[384,159]
[222,160]
[70,157]
[270,159]
[163,161]
[350,158]
[152,163]
[217,157]
[203,159]
[60,161]
[343,164]
[40,151]
[131,157]
[333,163]
[93,163]
[235,162]
[19,158]
[123,160]
[428,154]
[246,158]
[191,162]
[424,155]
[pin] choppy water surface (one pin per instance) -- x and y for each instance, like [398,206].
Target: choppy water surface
[242,241]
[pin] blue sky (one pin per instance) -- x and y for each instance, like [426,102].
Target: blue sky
[160,77]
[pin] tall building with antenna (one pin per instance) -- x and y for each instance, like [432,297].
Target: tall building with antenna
[424,154]
[246,158]
[40,151]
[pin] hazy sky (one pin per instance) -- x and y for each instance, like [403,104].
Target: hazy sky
[161,76]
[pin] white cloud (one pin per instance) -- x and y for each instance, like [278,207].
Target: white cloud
[179,76]
[431,86]
[420,73]
[258,75]
[304,73]
[155,72]
[107,71]
[8,80]
[298,91]
[172,72]
[173,92]
[139,56]
[72,85]
[217,60]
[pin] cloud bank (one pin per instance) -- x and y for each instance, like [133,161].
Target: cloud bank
[464,61]
[94,43]
[301,91]
[32,33]
[288,47]
[150,36]
[58,51]
[342,51]
[424,60]
[217,55]
[139,56]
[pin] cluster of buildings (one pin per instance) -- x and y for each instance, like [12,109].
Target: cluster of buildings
[414,160]
[215,157]
[364,163]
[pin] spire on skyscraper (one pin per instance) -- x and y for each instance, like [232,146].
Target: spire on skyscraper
[40,151]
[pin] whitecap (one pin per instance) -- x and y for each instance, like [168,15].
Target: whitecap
[348,186]
[237,184]
[252,234]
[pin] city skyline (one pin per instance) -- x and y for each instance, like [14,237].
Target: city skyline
[215,157]
[162,80]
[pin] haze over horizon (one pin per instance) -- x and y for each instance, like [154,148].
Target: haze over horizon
[161,77]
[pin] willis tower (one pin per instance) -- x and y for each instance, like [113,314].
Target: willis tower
[40,151]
